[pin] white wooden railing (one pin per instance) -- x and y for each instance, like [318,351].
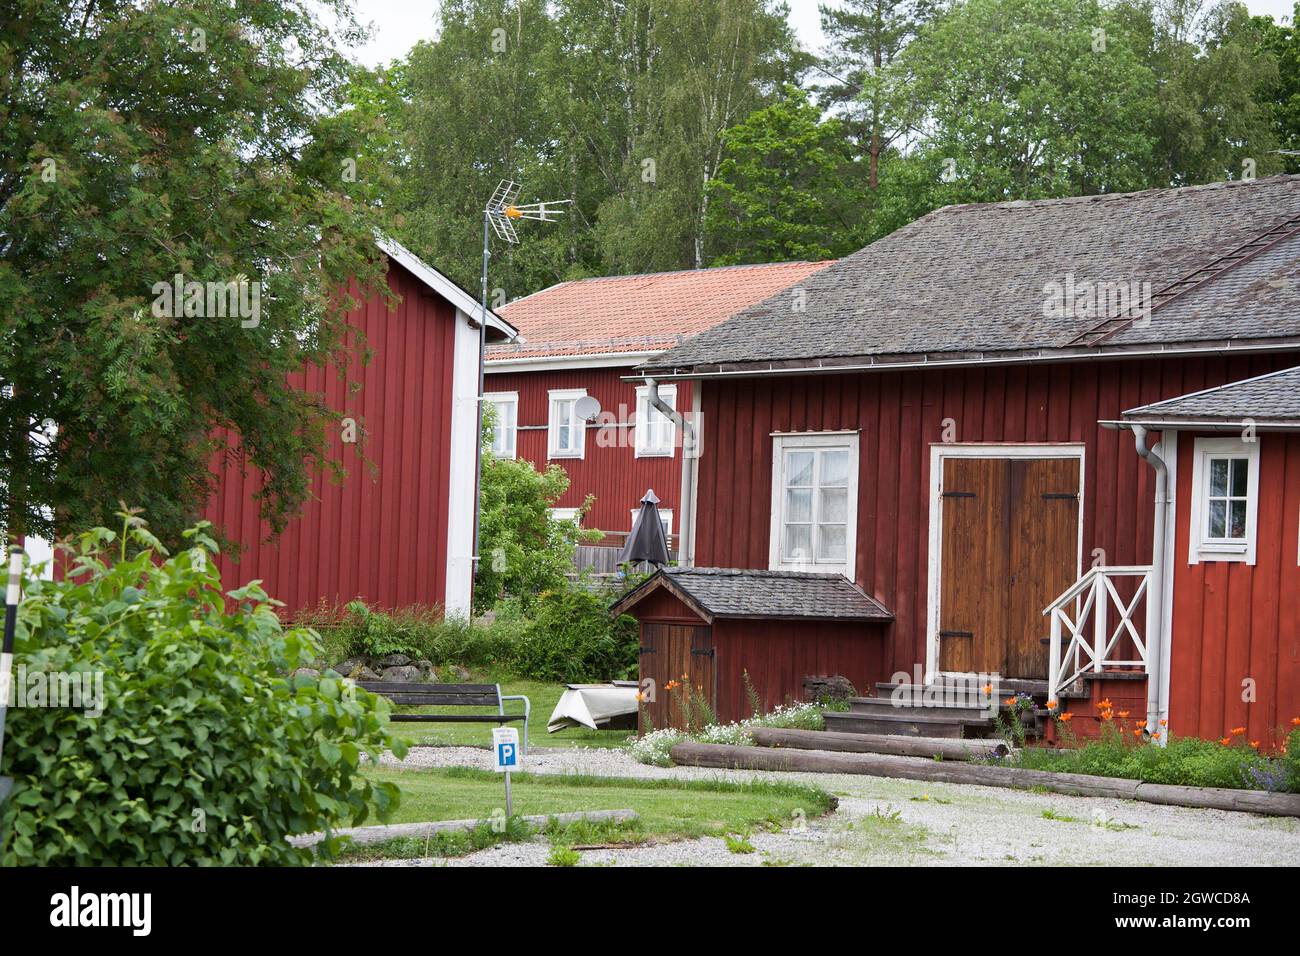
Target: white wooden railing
[1082,636]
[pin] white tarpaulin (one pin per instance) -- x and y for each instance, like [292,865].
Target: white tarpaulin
[593,705]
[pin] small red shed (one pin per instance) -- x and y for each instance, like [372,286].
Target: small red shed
[714,626]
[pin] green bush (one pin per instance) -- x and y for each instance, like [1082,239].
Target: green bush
[204,753]
[566,635]
[572,639]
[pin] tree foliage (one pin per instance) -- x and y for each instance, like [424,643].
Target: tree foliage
[139,141]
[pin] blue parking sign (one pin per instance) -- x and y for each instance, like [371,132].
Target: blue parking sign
[505,749]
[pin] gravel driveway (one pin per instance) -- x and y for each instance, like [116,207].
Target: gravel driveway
[887,821]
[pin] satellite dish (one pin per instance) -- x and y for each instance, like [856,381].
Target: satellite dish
[587,408]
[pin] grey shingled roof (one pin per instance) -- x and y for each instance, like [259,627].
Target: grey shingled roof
[732,592]
[1272,399]
[971,279]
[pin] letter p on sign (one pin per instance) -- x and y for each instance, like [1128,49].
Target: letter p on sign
[505,749]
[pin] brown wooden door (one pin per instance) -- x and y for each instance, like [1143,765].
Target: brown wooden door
[679,653]
[1010,547]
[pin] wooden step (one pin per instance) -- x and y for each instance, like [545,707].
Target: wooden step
[881,706]
[906,726]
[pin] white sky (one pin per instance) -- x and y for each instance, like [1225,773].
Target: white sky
[400,23]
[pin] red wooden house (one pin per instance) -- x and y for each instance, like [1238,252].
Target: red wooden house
[399,530]
[582,339]
[938,425]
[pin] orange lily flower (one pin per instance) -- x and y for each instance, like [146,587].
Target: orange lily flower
[1065,718]
[1225,741]
[1237,731]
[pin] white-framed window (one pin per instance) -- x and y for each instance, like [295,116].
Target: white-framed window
[1225,500]
[566,433]
[562,514]
[506,427]
[814,502]
[665,518]
[655,432]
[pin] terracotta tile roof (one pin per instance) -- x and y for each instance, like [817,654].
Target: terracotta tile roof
[640,313]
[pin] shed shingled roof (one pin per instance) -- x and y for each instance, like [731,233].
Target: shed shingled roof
[733,592]
[1272,399]
[972,279]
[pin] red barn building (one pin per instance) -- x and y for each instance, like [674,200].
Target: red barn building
[399,530]
[938,425]
[582,339]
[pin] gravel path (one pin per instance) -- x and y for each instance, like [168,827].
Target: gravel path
[883,821]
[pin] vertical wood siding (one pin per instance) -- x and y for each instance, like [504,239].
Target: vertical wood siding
[380,535]
[900,415]
[609,469]
[1234,621]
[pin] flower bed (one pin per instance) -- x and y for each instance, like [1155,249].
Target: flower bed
[653,748]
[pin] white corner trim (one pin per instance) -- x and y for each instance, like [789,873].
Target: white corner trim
[1200,548]
[832,439]
[461,490]
[934,571]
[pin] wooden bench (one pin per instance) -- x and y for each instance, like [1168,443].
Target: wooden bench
[418,694]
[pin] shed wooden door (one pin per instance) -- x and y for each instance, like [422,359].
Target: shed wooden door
[1010,544]
[670,652]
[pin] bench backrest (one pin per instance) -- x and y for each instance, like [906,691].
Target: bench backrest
[440,695]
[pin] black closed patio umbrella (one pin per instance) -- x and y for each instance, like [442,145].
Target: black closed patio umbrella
[647,542]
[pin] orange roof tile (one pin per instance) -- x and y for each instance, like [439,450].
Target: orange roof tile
[640,313]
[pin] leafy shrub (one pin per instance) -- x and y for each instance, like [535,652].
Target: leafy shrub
[419,632]
[572,639]
[204,751]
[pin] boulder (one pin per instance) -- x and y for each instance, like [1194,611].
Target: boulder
[458,674]
[392,660]
[347,667]
[402,672]
[364,673]
[305,672]
[834,687]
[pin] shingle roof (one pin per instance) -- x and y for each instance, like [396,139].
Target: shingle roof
[974,279]
[1272,399]
[732,592]
[641,313]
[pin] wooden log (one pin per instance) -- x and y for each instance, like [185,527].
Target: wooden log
[914,768]
[948,749]
[392,831]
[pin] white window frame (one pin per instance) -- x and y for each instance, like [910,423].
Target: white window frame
[1201,547]
[553,451]
[665,518]
[505,398]
[563,514]
[643,450]
[820,441]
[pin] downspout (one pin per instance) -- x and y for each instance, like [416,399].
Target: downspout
[1157,705]
[686,520]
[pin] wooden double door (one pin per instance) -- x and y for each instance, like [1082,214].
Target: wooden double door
[680,654]
[1010,546]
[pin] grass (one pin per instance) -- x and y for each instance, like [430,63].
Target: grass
[669,809]
[543,697]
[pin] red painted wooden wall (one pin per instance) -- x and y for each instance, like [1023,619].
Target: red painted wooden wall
[610,469]
[1234,621]
[380,535]
[900,414]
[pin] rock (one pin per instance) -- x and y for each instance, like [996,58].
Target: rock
[364,673]
[403,672]
[458,674]
[305,672]
[835,687]
[347,667]
[392,660]
[426,670]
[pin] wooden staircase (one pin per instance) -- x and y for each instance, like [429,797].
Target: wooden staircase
[953,717]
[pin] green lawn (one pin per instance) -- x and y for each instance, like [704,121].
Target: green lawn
[668,808]
[543,698]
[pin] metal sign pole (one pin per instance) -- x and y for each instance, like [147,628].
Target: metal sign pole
[509,810]
[12,596]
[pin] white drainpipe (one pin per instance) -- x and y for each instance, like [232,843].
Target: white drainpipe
[685,519]
[1157,703]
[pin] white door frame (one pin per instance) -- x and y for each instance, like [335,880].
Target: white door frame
[939,451]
